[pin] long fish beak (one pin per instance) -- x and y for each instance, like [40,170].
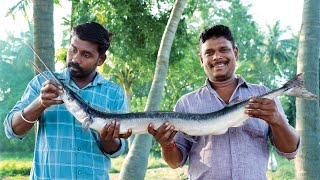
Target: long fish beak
[42,74]
[38,70]
[47,68]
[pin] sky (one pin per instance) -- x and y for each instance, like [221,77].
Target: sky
[289,12]
[19,24]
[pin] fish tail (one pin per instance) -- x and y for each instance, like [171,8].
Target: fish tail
[295,87]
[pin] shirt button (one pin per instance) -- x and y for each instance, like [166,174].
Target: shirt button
[79,149]
[80,92]
[78,129]
[79,172]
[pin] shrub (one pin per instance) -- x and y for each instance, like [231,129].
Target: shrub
[15,168]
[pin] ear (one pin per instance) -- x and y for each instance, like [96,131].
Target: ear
[101,59]
[236,52]
[201,60]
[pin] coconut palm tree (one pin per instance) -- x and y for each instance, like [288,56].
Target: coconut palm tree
[43,33]
[308,112]
[139,151]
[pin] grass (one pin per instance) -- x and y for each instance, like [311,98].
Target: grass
[15,166]
[157,170]
[163,173]
[285,170]
[15,156]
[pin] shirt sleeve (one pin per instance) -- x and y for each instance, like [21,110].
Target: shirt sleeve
[184,145]
[291,155]
[29,95]
[120,151]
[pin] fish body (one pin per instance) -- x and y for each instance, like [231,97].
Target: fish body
[214,123]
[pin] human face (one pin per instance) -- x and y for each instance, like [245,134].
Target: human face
[83,58]
[218,59]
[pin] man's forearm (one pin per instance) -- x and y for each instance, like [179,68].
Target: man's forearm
[31,113]
[172,157]
[285,138]
[111,146]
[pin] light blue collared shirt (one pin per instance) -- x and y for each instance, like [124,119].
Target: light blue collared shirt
[63,150]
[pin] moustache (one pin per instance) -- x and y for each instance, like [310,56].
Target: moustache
[74,65]
[220,62]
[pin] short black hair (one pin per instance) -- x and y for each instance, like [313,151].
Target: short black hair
[93,32]
[216,31]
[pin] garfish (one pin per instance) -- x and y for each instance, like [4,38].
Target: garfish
[214,123]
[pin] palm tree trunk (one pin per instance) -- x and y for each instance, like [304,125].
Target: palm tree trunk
[43,32]
[308,112]
[43,35]
[136,162]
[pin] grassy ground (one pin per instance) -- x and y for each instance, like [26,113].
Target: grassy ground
[163,173]
[285,170]
[157,168]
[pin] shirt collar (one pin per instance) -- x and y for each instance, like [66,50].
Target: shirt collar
[241,82]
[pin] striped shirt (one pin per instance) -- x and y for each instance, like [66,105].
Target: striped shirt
[240,153]
[63,150]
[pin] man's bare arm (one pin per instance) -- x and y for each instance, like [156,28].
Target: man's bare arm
[164,136]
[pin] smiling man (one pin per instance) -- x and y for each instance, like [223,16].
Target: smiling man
[242,152]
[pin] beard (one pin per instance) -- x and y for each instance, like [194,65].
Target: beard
[76,71]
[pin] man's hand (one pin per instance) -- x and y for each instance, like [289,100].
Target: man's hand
[109,137]
[24,120]
[163,135]
[111,132]
[49,91]
[265,109]
[284,137]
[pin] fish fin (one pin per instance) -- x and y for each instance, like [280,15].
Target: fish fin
[295,87]
[86,123]
[239,124]
[272,161]
[188,137]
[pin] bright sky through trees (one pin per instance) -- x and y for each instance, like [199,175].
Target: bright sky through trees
[264,12]
[289,12]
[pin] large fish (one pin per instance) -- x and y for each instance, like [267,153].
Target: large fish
[214,123]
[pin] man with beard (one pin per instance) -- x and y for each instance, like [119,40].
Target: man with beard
[242,152]
[63,150]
